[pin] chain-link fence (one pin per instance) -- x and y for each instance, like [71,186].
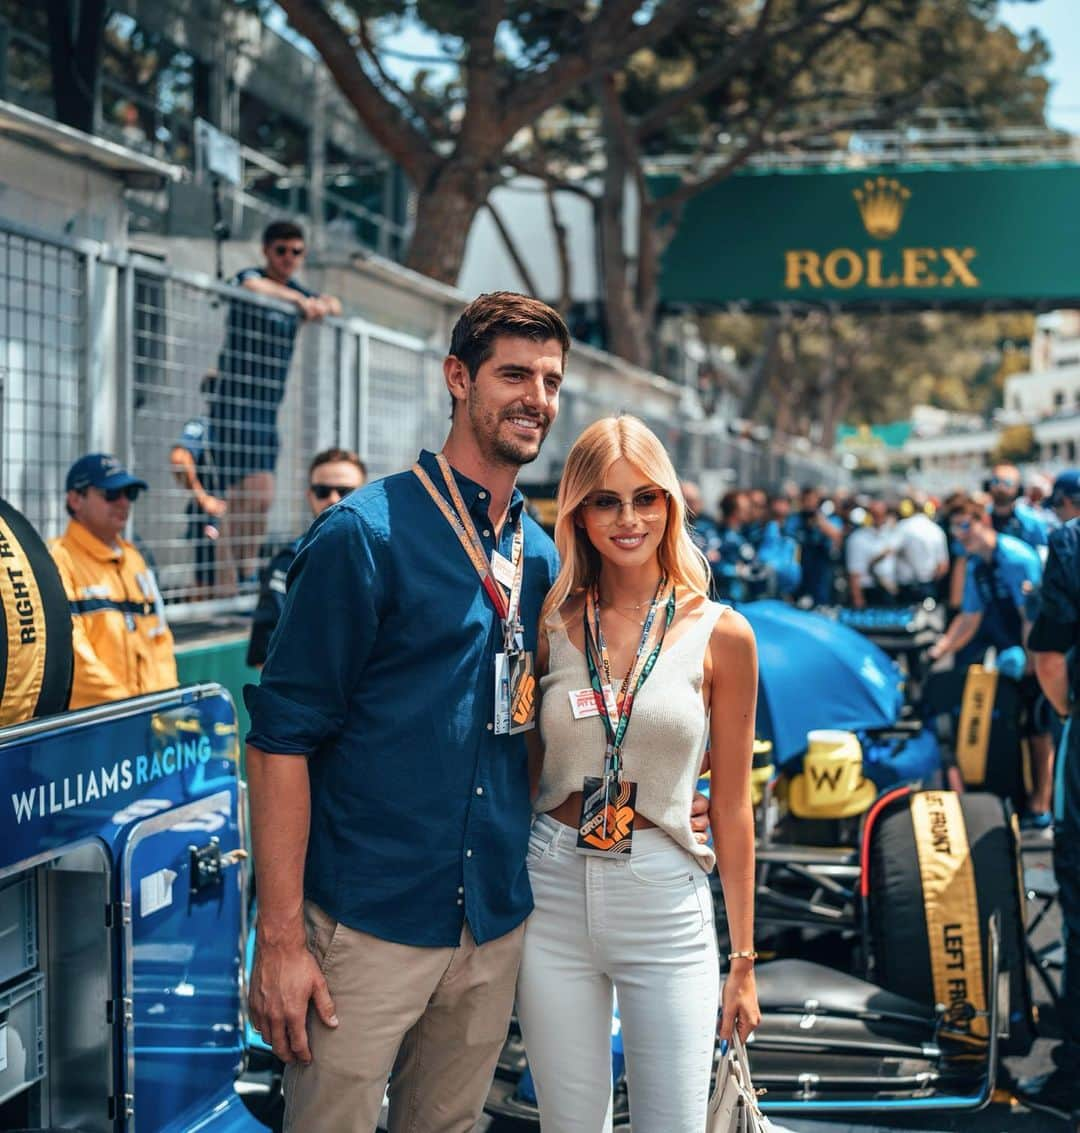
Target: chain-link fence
[42,365]
[218,397]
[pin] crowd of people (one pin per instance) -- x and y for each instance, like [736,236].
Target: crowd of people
[860,550]
[395,765]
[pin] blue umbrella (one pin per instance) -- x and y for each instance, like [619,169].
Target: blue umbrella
[816,673]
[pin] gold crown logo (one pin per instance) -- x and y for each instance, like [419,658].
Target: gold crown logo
[881,205]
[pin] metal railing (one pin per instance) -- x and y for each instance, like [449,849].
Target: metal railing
[100,352]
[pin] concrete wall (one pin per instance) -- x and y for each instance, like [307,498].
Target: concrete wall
[59,195]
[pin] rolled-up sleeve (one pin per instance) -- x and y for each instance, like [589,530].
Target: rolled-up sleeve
[323,640]
[1055,628]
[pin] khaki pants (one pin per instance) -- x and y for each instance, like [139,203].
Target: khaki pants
[435,1017]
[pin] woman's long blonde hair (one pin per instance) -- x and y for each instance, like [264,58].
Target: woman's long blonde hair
[592,454]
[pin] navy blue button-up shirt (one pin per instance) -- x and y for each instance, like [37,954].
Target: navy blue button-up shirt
[382,671]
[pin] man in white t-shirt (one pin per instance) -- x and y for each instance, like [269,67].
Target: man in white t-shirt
[922,553]
[870,558]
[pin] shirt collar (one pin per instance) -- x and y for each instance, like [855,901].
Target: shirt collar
[475,495]
[86,541]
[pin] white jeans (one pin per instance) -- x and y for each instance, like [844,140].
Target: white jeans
[645,928]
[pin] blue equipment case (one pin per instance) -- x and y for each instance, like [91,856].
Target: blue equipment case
[127,829]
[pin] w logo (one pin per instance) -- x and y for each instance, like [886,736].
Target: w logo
[826,776]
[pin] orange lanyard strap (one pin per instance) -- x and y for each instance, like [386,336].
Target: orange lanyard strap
[506,604]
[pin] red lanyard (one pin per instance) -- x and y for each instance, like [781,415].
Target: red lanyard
[506,603]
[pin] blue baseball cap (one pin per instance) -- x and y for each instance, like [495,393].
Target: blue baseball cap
[100,470]
[1066,486]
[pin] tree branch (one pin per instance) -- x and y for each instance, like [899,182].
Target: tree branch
[612,36]
[371,50]
[726,67]
[384,120]
[512,250]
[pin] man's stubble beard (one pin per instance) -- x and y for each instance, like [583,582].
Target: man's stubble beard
[485,427]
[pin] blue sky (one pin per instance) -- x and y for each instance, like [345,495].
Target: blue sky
[1058,21]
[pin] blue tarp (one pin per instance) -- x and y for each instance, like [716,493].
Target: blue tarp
[816,673]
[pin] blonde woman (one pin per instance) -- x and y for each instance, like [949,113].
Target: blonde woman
[638,670]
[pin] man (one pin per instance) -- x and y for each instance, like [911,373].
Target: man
[123,645]
[252,370]
[193,468]
[819,541]
[1003,574]
[775,569]
[1053,642]
[1010,516]
[332,475]
[703,529]
[922,553]
[396,847]
[733,554]
[870,560]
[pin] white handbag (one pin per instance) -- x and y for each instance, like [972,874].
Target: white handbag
[733,1107]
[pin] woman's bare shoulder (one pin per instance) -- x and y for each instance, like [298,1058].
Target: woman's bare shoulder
[732,634]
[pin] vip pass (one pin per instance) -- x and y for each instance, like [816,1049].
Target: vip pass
[515,680]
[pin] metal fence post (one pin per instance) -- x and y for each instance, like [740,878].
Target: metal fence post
[346,417]
[100,356]
[363,394]
[125,363]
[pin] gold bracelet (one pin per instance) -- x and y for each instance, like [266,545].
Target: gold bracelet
[750,954]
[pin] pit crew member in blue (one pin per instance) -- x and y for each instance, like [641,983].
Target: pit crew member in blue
[1009,511]
[1003,578]
[390,857]
[1053,642]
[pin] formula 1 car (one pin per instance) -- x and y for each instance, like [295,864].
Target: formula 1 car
[919,979]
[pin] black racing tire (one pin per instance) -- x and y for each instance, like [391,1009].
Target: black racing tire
[943,696]
[899,938]
[48,631]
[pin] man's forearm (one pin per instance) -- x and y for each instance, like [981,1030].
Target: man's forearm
[1052,671]
[280,800]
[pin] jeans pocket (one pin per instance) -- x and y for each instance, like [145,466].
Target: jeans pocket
[666,868]
[540,843]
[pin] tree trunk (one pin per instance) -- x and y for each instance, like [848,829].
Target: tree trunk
[625,335]
[76,35]
[562,249]
[445,212]
[762,370]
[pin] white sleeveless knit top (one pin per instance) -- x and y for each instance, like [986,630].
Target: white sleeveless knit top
[665,740]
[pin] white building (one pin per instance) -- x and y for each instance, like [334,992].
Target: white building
[1047,397]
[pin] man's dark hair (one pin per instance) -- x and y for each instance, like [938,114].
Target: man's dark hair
[729,502]
[282,230]
[336,456]
[503,313]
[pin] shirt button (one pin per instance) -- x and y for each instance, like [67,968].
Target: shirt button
[468,853]
[487,531]
[460,901]
[490,726]
[461,888]
[479,790]
[482,495]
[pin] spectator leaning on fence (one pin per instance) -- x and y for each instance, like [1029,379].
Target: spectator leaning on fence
[252,371]
[332,475]
[123,645]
